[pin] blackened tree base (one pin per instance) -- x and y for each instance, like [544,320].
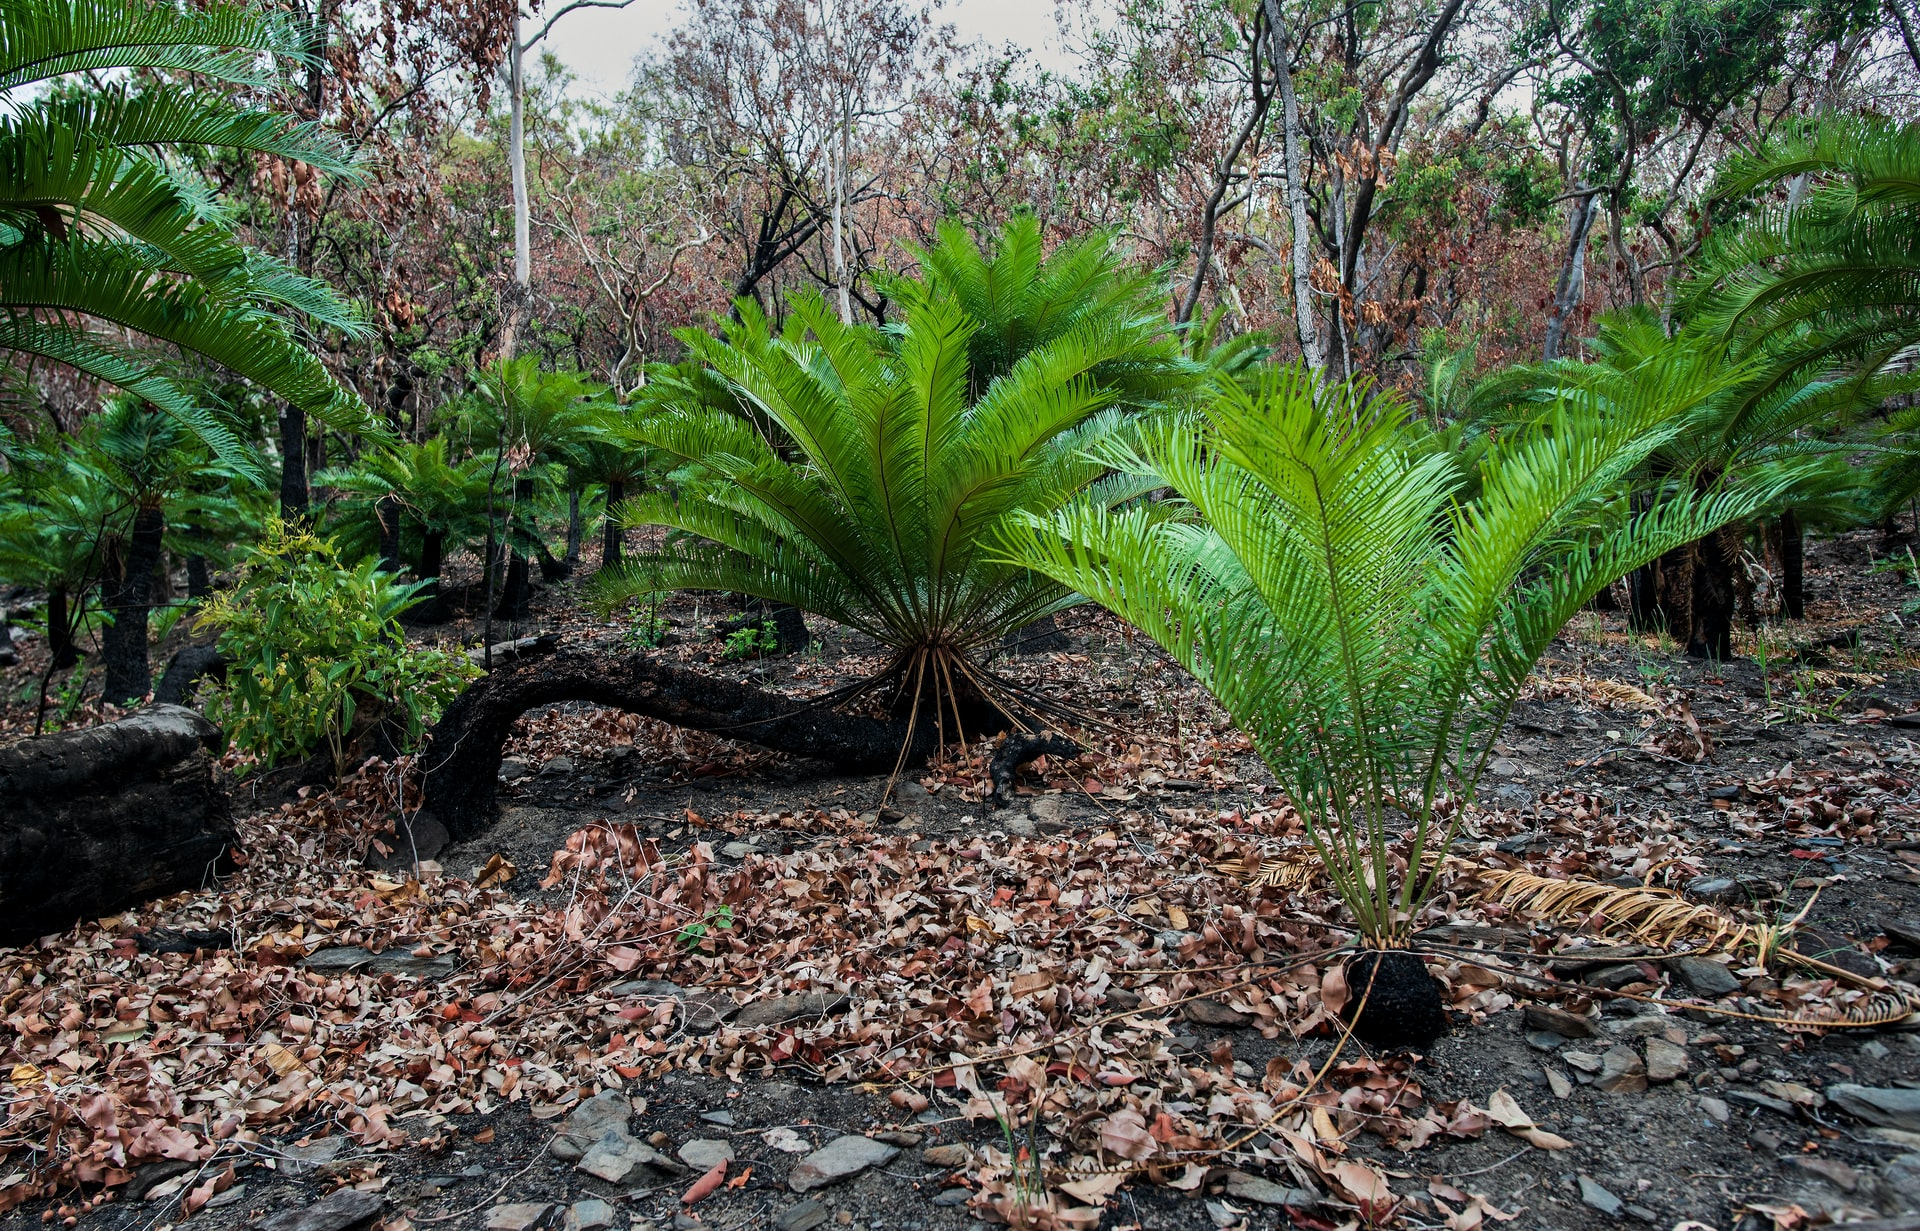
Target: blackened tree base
[1397,1001]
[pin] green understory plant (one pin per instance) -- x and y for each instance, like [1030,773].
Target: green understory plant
[752,641]
[1368,627]
[316,655]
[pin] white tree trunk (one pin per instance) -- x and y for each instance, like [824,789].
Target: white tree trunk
[1309,332]
[519,296]
[839,213]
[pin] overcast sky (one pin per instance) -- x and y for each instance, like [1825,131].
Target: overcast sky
[600,44]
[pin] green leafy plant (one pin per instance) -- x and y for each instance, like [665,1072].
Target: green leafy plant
[316,656]
[1369,630]
[718,919]
[865,473]
[648,629]
[96,220]
[753,641]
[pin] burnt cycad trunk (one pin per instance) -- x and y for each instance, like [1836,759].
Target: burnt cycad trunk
[127,595]
[1715,594]
[199,577]
[1793,601]
[61,618]
[387,512]
[516,595]
[610,535]
[293,463]
[431,609]
[575,528]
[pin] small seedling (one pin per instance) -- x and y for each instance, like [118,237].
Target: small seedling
[649,628]
[719,919]
[753,641]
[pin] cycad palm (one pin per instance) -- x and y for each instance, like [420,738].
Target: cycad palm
[95,224]
[1367,629]
[418,482]
[873,469]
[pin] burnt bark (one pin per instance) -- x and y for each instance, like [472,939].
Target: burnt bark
[432,608]
[1793,583]
[610,535]
[1715,594]
[199,577]
[462,759]
[576,528]
[60,622]
[127,594]
[1042,636]
[185,670]
[95,820]
[294,494]
[387,512]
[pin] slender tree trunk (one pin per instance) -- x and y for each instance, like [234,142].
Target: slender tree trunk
[128,597]
[1714,596]
[1636,283]
[199,577]
[1793,602]
[516,301]
[432,609]
[294,495]
[516,594]
[610,534]
[387,512]
[1570,288]
[575,528]
[839,211]
[60,622]
[1295,162]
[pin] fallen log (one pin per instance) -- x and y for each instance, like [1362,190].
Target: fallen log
[462,759]
[186,669]
[95,820]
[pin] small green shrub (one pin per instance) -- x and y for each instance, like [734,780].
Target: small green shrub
[649,628]
[752,641]
[313,645]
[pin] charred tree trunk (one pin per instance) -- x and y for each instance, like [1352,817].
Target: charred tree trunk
[1715,594]
[576,529]
[1043,636]
[199,577]
[1793,593]
[431,609]
[60,622]
[462,759]
[293,463]
[128,596]
[95,820]
[516,595]
[552,568]
[184,672]
[387,512]
[610,535]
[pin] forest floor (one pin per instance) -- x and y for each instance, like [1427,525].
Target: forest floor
[704,964]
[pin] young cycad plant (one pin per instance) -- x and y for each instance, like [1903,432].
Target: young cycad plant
[1368,629]
[868,472]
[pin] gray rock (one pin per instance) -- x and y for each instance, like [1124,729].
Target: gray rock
[723,1118]
[556,765]
[1882,1105]
[1644,1026]
[344,958]
[908,792]
[1047,808]
[1261,1191]
[1576,961]
[299,1162]
[1903,931]
[619,1159]
[840,1159]
[232,1196]
[1506,767]
[1716,1109]
[803,1217]
[1665,1061]
[1559,1021]
[1215,1013]
[1544,1040]
[604,1113]
[948,1156]
[1615,977]
[658,989]
[1704,976]
[703,1152]
[337,1211]
[1622,1071]
[513,770]
[1584,1061]
[590,1215]
[952,1196]
[1600,1199]
[739,850]
[1835,949]
[1716,889]
[786,1008]
[1900,1180]
[1016,826]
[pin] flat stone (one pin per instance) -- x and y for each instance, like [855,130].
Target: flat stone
[1520,844]
[556,765]
[619,1159]
[949,1156]
[1559,1021]
[513,770]
[603,1113]
[1506,767]
[1544,1040]
[949,1197]
[1831,947]
[1716,1109]
[1558,1083]
[1622,1071]
[1016,826]
[1600,1199]
[345,958]
[1574,961]
[1214,1013]
[1903,932]
[1882,1105]
[1901,1178]
[1776,1105]
[590,1215]
[785,1008]
[1642,1026]
[908,792]
[1832,1170]
[1665,1061]
[658,989]
[1261,1191]
[1704,976]
[840,1159]
[1614,977]
[803,1217]
[739,850]
[299,1162]
[723,1118]
[702,1153]
[349,1207]
[1584,1061]
[786,1140]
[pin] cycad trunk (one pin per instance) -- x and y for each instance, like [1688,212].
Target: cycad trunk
[516,595]
[432,609]
[610,535]
[127,594]
[199,577]
[60,622]
[575,529]
[387,512]
[293,463]
[1793,602]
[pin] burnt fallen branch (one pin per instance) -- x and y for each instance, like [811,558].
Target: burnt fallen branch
[184,672]
[99,819]
[462,759]
[1018,749]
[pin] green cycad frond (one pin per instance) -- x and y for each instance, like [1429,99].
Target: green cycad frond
[866,474]
[1364,620]
[40,39]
